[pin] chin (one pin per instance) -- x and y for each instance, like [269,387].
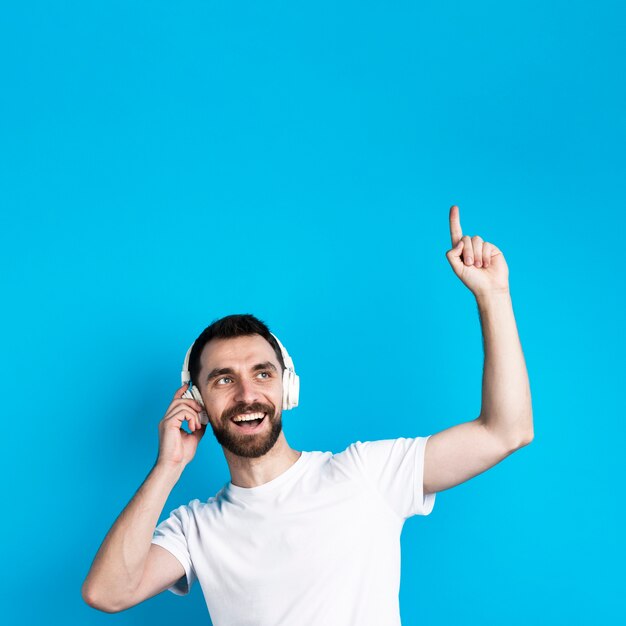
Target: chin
[250,446]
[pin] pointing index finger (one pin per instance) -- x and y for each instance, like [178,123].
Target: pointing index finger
[455,225]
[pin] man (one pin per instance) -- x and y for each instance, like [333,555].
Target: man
[304,538]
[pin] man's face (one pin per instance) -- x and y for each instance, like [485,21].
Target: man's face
[237,376]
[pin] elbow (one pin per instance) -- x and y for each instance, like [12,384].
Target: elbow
[519,441]
[527,434]
[526,439]
[92,599]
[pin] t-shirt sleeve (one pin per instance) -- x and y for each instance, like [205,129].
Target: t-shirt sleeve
[396,469]
[171,535]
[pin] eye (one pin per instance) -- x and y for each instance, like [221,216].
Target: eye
[266,373]
[223,378]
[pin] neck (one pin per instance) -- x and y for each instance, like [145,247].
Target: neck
[253,472]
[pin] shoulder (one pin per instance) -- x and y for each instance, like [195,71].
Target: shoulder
[194,508]
[381,454]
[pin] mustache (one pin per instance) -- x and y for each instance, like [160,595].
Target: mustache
[256,407]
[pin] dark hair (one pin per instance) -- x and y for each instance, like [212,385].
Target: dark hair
[226,328]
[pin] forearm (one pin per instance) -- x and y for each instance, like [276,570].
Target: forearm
[119,563]
[506,402]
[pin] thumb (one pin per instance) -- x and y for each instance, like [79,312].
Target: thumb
[454,253]
[454,257]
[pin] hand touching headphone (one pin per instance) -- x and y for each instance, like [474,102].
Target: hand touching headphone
[291,383]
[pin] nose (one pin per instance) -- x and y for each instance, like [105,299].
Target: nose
[245,392]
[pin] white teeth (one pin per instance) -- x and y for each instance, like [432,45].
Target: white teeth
[246,417]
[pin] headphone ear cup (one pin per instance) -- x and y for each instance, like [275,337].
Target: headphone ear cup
[291,389]
[286,383]
[294,391]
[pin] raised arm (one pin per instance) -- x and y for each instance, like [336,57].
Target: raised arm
[128,568]
[505,423]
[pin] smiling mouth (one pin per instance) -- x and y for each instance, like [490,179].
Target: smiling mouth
[250,426]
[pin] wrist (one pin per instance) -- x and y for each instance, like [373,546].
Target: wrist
[495,295]
[168,471]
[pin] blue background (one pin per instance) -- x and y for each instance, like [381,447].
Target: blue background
[163,165]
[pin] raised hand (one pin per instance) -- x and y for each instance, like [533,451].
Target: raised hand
[176,446]
[479,264]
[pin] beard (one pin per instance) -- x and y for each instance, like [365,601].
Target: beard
[241,443]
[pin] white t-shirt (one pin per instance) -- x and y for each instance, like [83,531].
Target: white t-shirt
[318,545]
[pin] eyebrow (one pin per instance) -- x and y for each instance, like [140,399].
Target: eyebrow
[214,373]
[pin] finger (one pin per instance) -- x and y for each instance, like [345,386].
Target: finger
[180,415]
[200,432]
[454,256]
[457,250]
[495,251]
[468,255]
[181,390]
[455,225]
[477,245]
[487,252]
[193,404]
[194,422]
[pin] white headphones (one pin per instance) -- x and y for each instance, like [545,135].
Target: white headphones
[291,382]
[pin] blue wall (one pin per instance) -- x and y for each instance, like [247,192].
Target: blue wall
[165,164]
